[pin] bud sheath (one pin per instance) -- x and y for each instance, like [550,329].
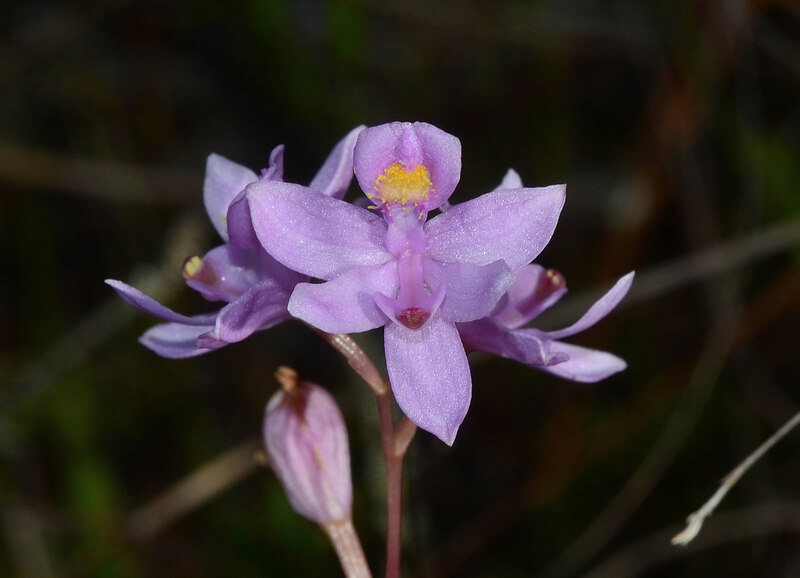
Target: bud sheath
[306,439]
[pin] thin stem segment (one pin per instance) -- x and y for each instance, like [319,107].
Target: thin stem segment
[348,548]
[357,359]
[394,442]
[695,520]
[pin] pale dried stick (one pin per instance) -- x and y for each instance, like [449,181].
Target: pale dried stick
[196,489]
[695,520]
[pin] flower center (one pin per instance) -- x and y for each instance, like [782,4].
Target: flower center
[399,186]
[415,302]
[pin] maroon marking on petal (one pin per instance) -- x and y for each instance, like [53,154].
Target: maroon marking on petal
[413,317]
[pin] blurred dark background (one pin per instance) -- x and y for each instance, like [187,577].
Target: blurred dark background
[676,125]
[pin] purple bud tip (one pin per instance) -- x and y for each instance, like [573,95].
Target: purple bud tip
[287,377]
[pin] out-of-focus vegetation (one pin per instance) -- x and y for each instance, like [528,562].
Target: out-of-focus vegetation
[676,125]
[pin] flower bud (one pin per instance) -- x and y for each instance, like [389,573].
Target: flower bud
[306,440]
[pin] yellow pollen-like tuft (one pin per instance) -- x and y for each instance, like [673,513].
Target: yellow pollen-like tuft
[191,266]
[398,186]
[555,277]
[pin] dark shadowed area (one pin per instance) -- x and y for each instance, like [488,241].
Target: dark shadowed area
[675,124]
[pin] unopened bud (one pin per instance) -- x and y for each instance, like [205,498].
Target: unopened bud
[307,444]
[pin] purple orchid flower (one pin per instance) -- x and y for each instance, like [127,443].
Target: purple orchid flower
[535,290]
[240,273]
[394,268]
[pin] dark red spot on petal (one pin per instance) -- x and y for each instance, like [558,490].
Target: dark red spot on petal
[413,317]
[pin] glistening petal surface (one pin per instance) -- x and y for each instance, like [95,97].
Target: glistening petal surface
[260,307]
[345,304]
[336,173]
[223,181]
[596,312]
[312,233]
[430,376]
[472,290]
[513,225]
[149,305]
[584,365]
[491,337]
[175,340]
[240,227]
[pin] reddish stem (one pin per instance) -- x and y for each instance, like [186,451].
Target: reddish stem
[394,442]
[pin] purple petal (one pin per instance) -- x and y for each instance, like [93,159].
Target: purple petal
[472,290]
[520,345]
[513,225]
[584,365]
[510,181]
[409,145]
[261,307]
[536,352]
[429,374]
[491,337]
[224,180]
[240,226]
[275,170]
[345,304]
[533,291]
[149,305]
[561,359]
[175,340]
[600,309]
[333,179]
[227,272]
[314,234]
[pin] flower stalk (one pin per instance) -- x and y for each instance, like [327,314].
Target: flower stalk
[357,359]
[395,440]
[345,541]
